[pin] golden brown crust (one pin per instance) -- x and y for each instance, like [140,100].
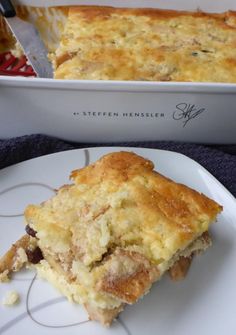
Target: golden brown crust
[92,12]
[147,44]
[117,167]
[155,192]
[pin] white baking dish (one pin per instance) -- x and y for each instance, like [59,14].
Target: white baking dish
[105,111]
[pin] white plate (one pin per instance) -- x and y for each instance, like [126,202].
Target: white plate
[204,303]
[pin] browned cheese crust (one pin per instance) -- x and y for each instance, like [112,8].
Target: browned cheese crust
[147,44]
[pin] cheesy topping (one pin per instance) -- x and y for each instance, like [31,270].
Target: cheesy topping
[147,44]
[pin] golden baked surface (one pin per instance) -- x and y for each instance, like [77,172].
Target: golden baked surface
[147,44]
[113,232]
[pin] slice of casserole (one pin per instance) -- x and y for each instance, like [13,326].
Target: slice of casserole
[107,237]
[105,43]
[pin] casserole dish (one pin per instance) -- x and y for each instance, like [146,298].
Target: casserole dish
[109,110]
